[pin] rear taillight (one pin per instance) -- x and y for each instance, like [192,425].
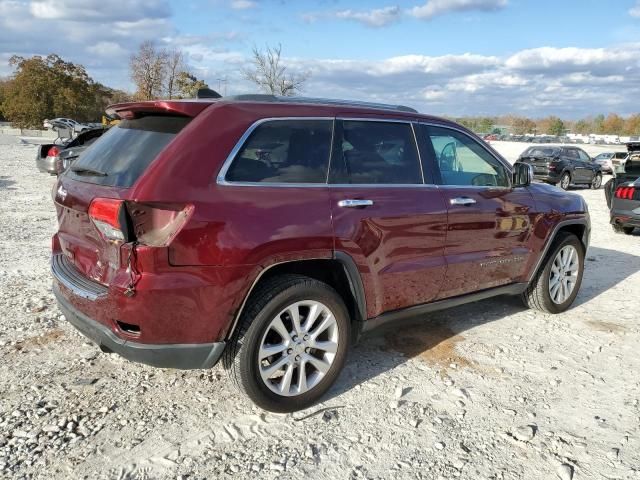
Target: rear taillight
[157,224]
[109,217]
[626,193]
[53,152]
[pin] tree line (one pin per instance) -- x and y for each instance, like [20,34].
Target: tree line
[612,124]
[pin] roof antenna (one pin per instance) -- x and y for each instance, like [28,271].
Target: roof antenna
[207,93]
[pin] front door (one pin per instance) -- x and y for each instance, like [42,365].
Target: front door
[489,222]
[384,216]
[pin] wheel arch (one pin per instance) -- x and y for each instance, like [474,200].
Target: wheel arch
[340,272]
[577,226]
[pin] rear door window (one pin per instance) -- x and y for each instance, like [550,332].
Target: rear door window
[122,154]
[376,152]
[284,151]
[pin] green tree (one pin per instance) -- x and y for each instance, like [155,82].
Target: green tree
[598,124]
[187,85]
[582,127]
[49,87]
[556,127]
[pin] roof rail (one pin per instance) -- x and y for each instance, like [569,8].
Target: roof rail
[317,101]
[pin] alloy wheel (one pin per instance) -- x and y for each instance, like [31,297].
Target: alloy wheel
[564,274]
[565,181]
[298,348]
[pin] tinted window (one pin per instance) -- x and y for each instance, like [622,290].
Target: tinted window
[463,161]
[621,155]
[376,153]
[284,151]
[583,156]
[126,150]
[572,153]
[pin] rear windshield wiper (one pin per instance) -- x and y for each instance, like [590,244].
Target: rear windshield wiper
[88,171]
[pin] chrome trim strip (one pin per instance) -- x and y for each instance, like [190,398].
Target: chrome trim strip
[67,275]
[355,203]
[221,180]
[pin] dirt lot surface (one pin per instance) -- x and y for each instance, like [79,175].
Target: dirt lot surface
[485,391]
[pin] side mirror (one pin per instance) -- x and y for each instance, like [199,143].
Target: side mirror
[522,174]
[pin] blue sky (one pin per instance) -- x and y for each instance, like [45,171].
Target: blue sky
[455,57]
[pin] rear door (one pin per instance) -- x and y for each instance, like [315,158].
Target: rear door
[586,166]
[488,221]
[385,216]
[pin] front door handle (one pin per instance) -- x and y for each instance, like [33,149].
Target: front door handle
[465,201]
[353,203]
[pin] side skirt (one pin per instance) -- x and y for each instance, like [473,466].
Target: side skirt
[412,312]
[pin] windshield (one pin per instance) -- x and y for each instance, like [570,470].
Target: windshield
[123,153]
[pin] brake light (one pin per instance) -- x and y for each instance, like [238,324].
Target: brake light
[108,215]
[53,152]
[626,193]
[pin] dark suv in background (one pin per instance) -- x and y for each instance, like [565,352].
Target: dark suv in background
[271,232]
[563,166]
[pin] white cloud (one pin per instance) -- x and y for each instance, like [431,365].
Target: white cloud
[373,18]
[98,10]
[434,8]
[635,10]
[243,4]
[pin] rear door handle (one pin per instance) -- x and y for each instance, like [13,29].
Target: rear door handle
[465,201]
[353,203]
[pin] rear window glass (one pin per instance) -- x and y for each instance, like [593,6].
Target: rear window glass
[541,152]
[284,151]
[122,154]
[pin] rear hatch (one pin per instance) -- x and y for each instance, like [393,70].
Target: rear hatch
[540,158]
[95,226]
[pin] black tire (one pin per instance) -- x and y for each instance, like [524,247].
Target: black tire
[241,355]
[597,182]
[621,229]
[537,295]
[565,181]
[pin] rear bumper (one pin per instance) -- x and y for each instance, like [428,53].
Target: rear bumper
[47,165]
[550,177]
[181,356]
[626,217]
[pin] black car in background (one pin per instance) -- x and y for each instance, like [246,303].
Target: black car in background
[564,166]
[623,192]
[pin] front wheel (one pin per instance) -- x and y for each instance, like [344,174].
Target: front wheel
[565,181]
[597,181]
[291,343]
[555,286]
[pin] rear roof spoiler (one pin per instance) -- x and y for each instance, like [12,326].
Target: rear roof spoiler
[167,107]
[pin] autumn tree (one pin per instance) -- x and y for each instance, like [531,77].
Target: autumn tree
[49,87]
[271,75]
[175,66]
[149,70]
[522,126]
[187,85]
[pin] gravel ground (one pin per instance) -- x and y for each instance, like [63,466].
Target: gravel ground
[485,391]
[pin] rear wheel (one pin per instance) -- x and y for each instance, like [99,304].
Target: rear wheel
[565,181]
[597,181]
[290,344]
[555,286]
[621,229]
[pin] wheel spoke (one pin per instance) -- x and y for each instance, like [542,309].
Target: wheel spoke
[314,311]
[294,313]
[302,377]
[326,323]
[285,383]
[329,347]
[279,327]
[320,365]
[268,371]
[267,350]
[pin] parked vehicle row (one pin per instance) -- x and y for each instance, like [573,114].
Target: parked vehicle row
[273,243]
[563,166]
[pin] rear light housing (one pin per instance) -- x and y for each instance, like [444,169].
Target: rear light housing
[109,217]
[53,151]
[150,224]
[625,192]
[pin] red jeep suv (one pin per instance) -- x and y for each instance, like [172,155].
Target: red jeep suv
[269,233]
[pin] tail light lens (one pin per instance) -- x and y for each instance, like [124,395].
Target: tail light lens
[626,193]
[109,217]
[53,151]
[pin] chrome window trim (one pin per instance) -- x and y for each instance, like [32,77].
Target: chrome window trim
[221,178]
[503,162]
